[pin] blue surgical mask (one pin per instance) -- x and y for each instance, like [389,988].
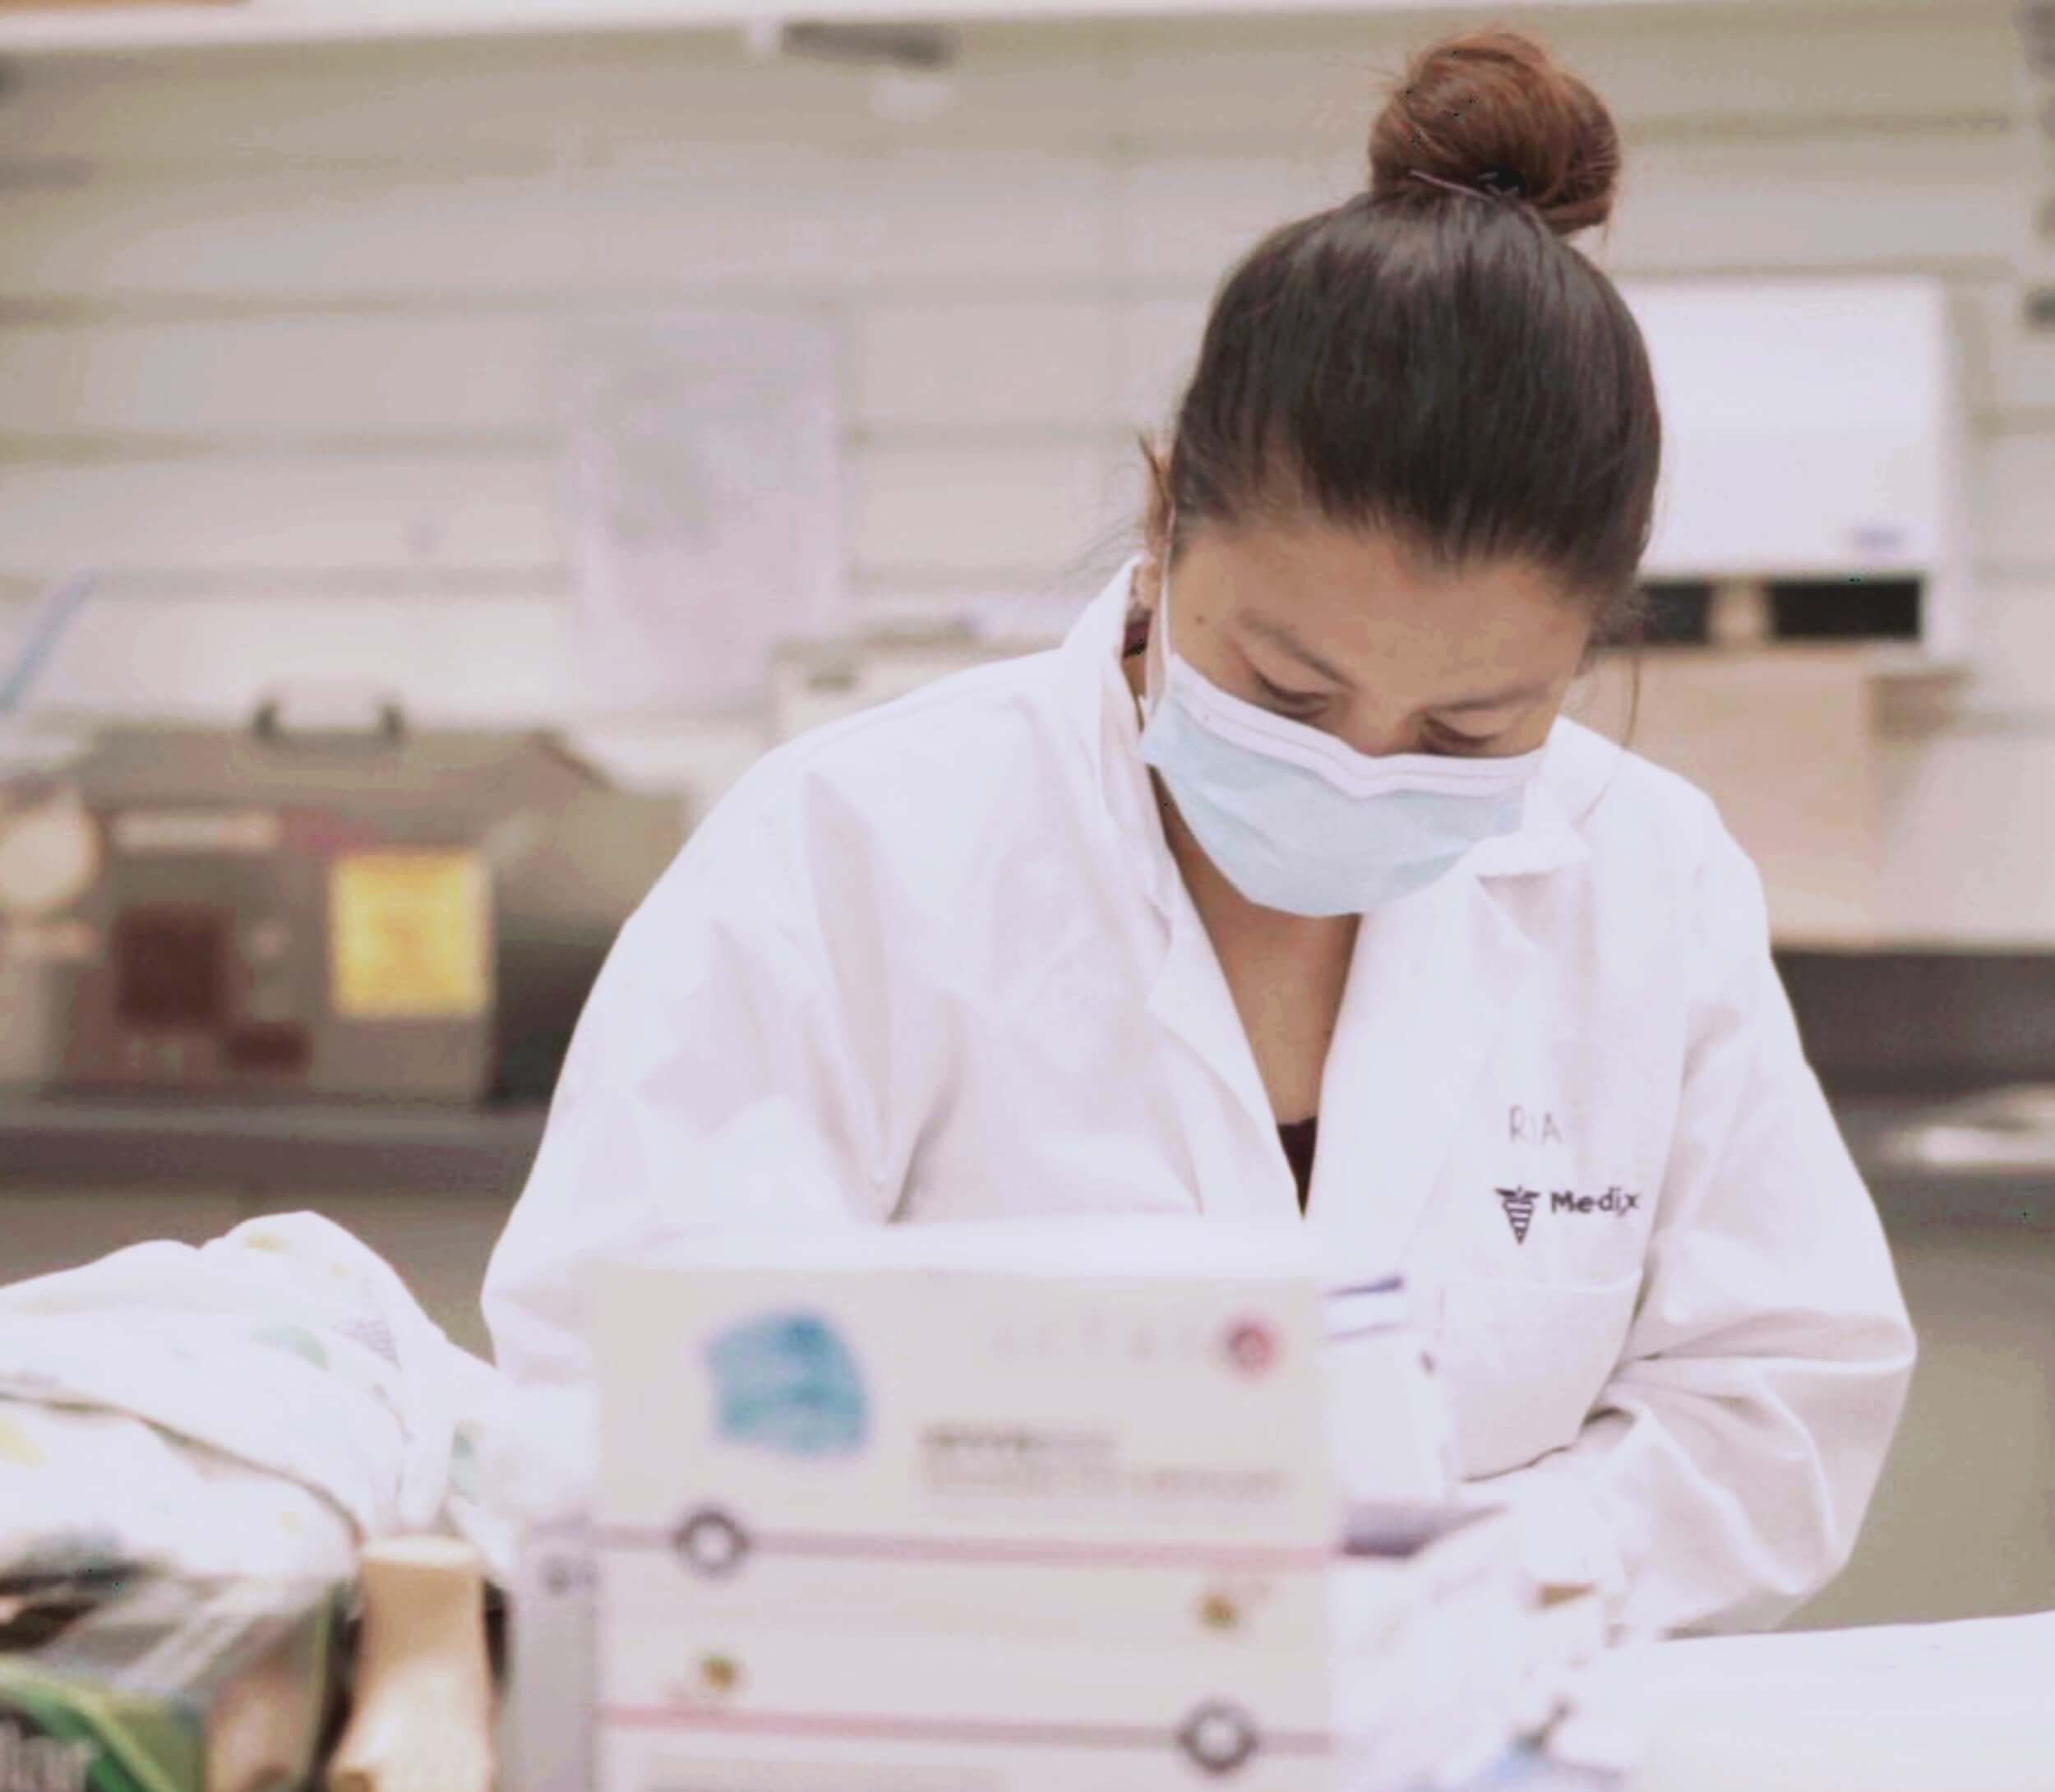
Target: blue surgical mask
[1297,820]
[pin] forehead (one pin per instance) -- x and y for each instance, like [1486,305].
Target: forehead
[1360,600]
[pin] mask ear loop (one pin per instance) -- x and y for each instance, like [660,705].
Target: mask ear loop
[1155,656]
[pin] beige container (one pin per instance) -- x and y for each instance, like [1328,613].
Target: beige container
[422,1720]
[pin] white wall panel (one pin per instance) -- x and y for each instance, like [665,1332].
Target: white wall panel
[1318,83]
[1969,851]
[1837,203]
[1307,86]
[1240,78]
[998,215]
[446,369]
[984,365]
[1891,199]
[1185,217]
[2012,643]
[278,513]
[449,373]
[536,106]
[1156,349]
[2008,371]
[394,104]
[1791,67]
[447,659]
[716,212]
[320,375]
[977,511]
[2014,491]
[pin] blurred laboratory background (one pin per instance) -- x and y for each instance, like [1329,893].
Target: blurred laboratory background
[441,445]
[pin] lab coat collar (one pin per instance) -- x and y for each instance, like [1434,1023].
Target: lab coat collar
[1111,731]
[1546,840]
[1239,1168]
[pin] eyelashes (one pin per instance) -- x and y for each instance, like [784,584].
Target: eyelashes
[1300,706]
[1461,743]
[1296,704]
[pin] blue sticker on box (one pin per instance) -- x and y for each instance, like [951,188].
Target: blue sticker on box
[786,1382]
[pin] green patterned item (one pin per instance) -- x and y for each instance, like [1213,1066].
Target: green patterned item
[119,1682]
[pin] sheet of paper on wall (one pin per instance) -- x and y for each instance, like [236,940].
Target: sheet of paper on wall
[702,470]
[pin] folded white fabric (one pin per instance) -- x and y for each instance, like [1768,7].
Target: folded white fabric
[72,1480]
[263,1402]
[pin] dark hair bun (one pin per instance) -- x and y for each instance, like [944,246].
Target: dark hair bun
[1494,112]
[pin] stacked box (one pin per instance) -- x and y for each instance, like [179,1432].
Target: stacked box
[545,1718]
[938,1508]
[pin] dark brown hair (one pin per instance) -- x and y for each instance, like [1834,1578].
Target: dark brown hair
[1432,357]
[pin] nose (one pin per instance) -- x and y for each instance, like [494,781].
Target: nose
[1376,730]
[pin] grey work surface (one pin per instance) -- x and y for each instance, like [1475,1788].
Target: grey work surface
[286,1148]
[1964,1522]
[281,1147]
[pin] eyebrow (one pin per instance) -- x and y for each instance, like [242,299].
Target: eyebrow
[1281,637]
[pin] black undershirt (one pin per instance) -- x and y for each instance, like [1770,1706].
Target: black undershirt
[1298,1138]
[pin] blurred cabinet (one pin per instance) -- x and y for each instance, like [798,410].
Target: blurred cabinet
[1814,436]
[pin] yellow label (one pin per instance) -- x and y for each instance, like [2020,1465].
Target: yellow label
[409,936]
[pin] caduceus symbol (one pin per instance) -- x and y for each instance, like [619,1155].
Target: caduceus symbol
[1519,1206]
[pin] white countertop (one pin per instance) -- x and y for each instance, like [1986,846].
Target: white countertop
[1956,1708]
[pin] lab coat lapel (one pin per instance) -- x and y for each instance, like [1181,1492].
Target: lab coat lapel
[1433,982]
[1235,1165]
[1239,1164]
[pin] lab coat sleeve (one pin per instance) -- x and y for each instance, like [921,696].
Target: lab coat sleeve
[713,1081]
[1723,1473]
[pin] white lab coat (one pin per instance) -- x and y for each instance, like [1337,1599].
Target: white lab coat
[935,962]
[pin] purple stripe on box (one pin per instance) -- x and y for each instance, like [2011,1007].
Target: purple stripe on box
[961,1730]
[1257,1558]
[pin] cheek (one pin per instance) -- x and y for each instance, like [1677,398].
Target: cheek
[1203,644]
[1533,732]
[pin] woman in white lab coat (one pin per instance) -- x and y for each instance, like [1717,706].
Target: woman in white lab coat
[1282,883]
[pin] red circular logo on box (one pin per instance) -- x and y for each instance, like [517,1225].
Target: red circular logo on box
[1251,1347]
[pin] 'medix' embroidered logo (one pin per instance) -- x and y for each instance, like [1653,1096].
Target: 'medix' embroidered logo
[1615,1201]
[1519,1206]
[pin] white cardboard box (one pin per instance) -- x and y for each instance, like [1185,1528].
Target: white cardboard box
[1365,1672]
[1158,1388]
[1003,1506]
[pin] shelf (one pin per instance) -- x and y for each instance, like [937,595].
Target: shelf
[316,1150]
[115,27]
[1905,661]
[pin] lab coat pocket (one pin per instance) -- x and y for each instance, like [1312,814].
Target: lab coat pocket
[1524,1363]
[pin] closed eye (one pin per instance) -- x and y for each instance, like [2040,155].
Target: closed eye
[1290,702]
[1447,740]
